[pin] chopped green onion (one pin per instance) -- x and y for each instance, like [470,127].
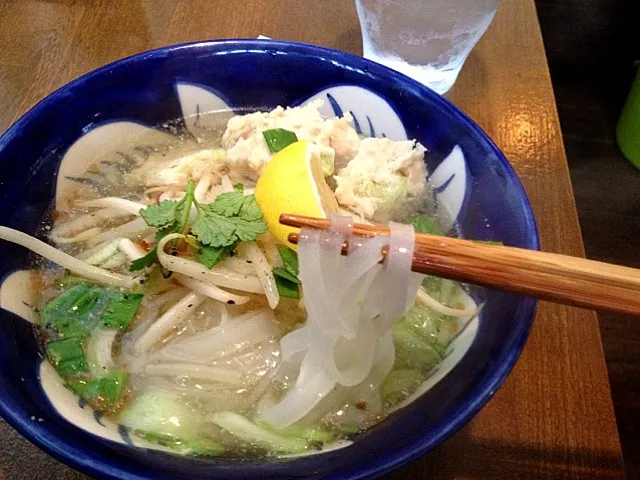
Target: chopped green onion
[74,312]
[290,260]
[120,310]
[279,138]
[67,356]
[287,288]
[104,393]
[286,275]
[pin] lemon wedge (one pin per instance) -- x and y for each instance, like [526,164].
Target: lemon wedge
[293,182]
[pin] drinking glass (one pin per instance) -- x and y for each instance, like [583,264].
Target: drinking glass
[428,40]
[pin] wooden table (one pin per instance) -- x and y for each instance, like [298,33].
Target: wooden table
[553,418]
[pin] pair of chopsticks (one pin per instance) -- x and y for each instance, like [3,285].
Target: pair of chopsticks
[547,276]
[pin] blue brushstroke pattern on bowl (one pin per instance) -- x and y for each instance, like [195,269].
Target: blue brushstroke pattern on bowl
[261,74]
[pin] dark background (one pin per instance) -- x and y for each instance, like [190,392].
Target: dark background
[592,46]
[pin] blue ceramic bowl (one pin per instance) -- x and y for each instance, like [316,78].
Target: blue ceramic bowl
[475,188]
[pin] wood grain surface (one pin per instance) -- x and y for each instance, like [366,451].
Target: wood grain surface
[553,418]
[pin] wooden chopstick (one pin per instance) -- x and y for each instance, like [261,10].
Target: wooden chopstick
[548,276]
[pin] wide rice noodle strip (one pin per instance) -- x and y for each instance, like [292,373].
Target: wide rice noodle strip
[194,370]
[76,266]
[350,301]
[122,204]
[234,336]
[164,325]
[216,276]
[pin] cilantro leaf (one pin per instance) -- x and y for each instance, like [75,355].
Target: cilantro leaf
[248,230]
[161,215]
[238,187]
[250,209]
[211,256]
[213,229]
[143,262]
[217,226]
[227,204]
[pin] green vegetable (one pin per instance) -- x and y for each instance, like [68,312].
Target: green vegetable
[104,393]
[312,434]
[424,224]
[217,230]
[143,262]
[286,275]
[74,312]
[279,138]
[399,384]
[163,413]
[120,310]
[211,256]
[218,227]
[171,214]
[287,288]
[290,260]
[413,351]
[67,356]
[287,278]
[201,446]
[251,433]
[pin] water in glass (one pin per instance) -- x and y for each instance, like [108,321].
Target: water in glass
[428,40]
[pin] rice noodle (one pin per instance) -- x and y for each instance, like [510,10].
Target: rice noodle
[216,276]
[76,266]
[128,206]
[210,291]
[216,374]
[229,338]
[263,271]
[346,340]
[167,322]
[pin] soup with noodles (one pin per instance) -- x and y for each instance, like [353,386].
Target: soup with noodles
[180,310]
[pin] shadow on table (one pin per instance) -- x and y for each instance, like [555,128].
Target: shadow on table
[463,457]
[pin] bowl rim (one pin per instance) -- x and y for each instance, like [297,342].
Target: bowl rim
[37,433]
